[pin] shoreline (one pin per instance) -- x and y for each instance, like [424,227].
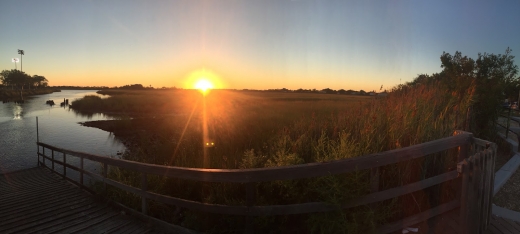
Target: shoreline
[14,95]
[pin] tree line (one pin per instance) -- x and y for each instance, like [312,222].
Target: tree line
[493,76]
[16,79]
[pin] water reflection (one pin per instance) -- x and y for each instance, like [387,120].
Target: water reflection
[17,111]
[57,126]
[92,115]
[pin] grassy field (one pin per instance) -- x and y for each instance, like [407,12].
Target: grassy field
[231,129]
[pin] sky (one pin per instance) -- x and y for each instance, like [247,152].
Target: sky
[249,44]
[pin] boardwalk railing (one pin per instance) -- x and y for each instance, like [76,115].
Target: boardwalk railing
[473,175]
[510,114]
[478,178]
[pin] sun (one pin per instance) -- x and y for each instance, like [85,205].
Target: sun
[203,85]
[203,80]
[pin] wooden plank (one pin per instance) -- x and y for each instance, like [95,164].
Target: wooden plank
[144,187]
[489,189]
[513,224]
[58,221]
[81,171]
[503,226]
[374,180]
[471,195]
[287,172]
[29,197]
[477,192]
[452,223]
[485,199]
[50,206]
[492,182]
[418,217]
[64,165]
[493,229]
[91,223]
[463,169]
[36,204]
[36,221]
[399,191]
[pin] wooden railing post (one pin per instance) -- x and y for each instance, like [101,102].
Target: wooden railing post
[52,156]
[507,123]
[477,191]
[462,168]
[64,166]
[37,141]
[250,201]
[43,156]
[144,187]
[374,184]
[81,172]
[38,153]
[464,151]
[105,169]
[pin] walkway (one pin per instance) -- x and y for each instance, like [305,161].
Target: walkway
[36,201]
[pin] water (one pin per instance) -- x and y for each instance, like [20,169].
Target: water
[58,126]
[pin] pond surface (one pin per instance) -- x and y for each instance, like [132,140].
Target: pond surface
[57,126]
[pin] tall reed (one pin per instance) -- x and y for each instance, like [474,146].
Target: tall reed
[258,130]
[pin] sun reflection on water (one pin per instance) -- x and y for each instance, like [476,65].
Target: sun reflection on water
[17,112]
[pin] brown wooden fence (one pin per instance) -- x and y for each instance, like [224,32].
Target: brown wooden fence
[478,176]
[474,174]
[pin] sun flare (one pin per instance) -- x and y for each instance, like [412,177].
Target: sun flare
[203,80]
[203,85]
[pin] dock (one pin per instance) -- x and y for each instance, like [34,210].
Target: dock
[38,201]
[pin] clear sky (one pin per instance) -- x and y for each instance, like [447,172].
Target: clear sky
[255,44]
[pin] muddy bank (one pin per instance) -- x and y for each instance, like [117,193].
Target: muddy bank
[128,131]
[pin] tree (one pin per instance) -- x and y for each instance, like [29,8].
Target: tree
[39,81]
[494,78]
[15,78]
[21,53]
[328,91]
[4,77]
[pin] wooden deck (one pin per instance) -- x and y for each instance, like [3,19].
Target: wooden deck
[36,201]
[449,223]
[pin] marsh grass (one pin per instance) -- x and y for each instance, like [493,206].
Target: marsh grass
[255,130]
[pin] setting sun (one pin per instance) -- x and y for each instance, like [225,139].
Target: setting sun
[203,85]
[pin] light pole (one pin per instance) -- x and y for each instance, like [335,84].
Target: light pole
[21,53]
[15,60]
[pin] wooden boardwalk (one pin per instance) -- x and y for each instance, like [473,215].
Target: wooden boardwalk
[36,201]
[449,223]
